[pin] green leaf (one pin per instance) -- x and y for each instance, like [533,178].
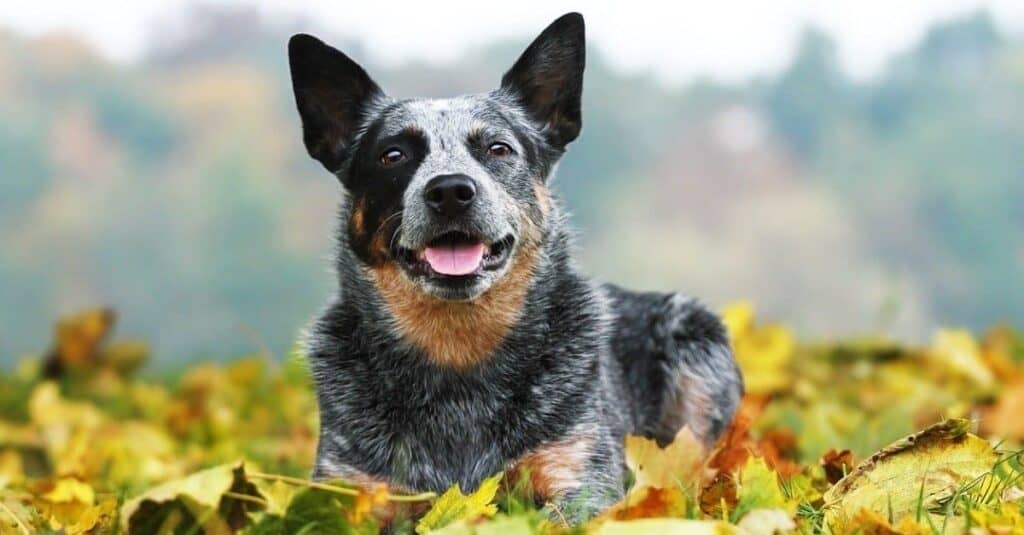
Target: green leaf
[758,489]
[453,505]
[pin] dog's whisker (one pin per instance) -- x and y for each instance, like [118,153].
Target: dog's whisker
[396,233]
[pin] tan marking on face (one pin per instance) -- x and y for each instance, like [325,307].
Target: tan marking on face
[379,247]
[554,469]
[543,198]
[356,221]
[457,334]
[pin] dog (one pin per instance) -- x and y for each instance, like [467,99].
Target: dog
[463,341]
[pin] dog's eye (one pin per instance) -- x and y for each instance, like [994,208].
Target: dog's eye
[392,156]
[500,150]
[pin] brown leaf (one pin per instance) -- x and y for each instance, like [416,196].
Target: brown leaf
[1004,418]
[837,464]
[77,339]
[722,491]
[735,446]
[778,447]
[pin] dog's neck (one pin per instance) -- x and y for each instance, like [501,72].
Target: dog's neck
[452,334]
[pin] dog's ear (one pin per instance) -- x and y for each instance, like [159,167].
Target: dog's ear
[332,93]
[548,78]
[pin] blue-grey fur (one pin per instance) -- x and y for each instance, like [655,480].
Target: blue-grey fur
[581,359]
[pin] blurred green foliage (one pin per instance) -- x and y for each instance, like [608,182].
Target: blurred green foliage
[177,190]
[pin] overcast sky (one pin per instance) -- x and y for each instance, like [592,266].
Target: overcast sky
[724,39]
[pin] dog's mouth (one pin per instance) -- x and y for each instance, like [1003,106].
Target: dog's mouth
[457,255]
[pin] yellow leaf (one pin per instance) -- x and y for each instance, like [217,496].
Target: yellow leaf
[738,318]
[762,351]
[766,522]
[278,495]
[758,488]
[12,470]
[453,505]
[917,471]
[677,465]
[68,490]
[664,526]
[201,493]
[501,525]
[957,349]
[64,501]
[367,499]
[93,517]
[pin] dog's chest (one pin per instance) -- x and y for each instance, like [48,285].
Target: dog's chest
[427,434]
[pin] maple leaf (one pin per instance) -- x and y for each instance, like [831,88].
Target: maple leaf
[678,465]
[453,505]
[758,488]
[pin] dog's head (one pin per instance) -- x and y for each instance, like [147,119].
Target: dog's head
[447,190]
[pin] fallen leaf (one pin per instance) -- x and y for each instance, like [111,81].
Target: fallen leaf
[1005,419]
[836,464]
[778,447]
[719,496]
[758,488]
[766,522]
[677,465]
[917,471]
[648,502]
[64,501]
[957,349]
[453,505]
[665,526]
[201,495]
[736,445]
[763,352]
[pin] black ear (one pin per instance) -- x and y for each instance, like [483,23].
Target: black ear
[332,93]
[548,78]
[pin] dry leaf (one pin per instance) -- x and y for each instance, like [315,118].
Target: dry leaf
[915,472]
[677,465]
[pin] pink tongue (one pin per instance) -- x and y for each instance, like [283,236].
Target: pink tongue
[454,259]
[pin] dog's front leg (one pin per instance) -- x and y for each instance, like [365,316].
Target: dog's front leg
[576,477]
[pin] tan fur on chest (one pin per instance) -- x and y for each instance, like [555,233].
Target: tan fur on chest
[457,334]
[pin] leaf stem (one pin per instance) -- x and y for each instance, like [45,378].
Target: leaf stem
[21,525]
[421,497]
[246,498]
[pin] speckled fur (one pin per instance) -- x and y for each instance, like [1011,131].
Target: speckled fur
[580,364]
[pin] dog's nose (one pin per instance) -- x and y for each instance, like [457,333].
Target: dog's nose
[450,195]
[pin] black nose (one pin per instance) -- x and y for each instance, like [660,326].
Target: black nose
[450,195]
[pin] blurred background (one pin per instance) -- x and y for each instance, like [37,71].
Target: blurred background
[850,170]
